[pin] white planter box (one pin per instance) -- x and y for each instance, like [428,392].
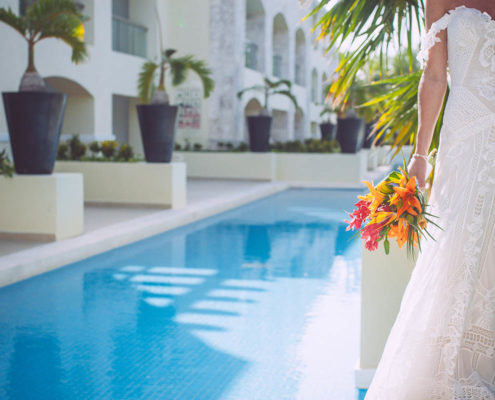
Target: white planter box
[125,183]
[330,168]
[383,281]
[372,158]
[41,207]
[228,165]
[383,154]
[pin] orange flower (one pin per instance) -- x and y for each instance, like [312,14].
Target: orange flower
[406,194]
[399,231]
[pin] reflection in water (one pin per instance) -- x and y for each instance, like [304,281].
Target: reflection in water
[249,304]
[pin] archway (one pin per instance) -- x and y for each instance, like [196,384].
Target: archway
[79,112]
[280,47]
[300,67]
[314,86]
[255,35]
[253,107]
[299,131]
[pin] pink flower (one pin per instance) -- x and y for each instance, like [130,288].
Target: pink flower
[359,215]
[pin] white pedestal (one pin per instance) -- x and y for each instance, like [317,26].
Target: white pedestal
[327,168]
[132,184]
[228,165]
[372,158]
[41,207]
[383,281]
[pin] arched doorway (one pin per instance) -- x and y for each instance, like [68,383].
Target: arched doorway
[79,112]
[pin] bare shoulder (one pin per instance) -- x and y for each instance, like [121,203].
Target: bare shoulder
[435,9]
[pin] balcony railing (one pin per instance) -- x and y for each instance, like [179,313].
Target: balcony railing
[128,37]
[251,53]
[277,65]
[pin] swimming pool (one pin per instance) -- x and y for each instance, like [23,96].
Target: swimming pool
[259,302]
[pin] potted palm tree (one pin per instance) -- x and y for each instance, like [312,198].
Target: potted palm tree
[259,126]
[34,114]
[350,126]
[157,118]
[328,129]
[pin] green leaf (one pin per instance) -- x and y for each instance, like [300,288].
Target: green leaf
[145,81]
[386,246]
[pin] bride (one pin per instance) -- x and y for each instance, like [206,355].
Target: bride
[442,344]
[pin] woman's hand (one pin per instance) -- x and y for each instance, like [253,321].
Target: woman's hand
[417,167]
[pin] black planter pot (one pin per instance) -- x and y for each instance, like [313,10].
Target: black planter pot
[34,120]
[369,140]
[259,132]
[350,134]
[157,124]
[328,131]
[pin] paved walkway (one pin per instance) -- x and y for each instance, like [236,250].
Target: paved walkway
[110,227]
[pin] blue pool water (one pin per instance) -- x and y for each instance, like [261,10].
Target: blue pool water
[260,302]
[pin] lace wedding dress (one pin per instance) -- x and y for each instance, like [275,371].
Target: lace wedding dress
[442,344]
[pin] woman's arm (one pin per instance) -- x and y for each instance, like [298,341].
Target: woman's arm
[431,91]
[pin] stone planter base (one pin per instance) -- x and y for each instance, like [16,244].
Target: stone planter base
[41,207]
[161,185]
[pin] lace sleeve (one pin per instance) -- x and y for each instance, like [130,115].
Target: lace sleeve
[428,39]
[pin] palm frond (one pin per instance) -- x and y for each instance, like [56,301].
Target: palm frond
[287,93]
[167,53]
[255,88]
[204,73]
[58,19]
[375,23]
[277,83]
[178,69]
[145,80]
[7,16]
[180,66]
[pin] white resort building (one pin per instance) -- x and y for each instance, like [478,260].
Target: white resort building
[242,40]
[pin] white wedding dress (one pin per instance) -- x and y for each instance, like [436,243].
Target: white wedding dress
[442,343]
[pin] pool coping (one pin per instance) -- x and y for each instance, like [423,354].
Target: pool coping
[27,263]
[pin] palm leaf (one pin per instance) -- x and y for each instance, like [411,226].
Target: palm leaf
[178,69]
[145,81]
[18,23]
[204,73]
[287,93]
[255,88]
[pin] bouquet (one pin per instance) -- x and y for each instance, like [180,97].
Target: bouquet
[395,208]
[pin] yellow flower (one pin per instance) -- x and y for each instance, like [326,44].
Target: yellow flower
[79,32]
[374,196]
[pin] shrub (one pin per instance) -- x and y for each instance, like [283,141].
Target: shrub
[6,166]
[63,151]
[243,146]
[94,147]
[177,147]
[125,152]
[108,148]
[77,148]
[197,146]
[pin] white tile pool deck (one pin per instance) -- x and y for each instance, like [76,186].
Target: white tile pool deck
[110,227]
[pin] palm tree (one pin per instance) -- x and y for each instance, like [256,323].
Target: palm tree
[60,19]
[371,25]
[271,88]
[178,68]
